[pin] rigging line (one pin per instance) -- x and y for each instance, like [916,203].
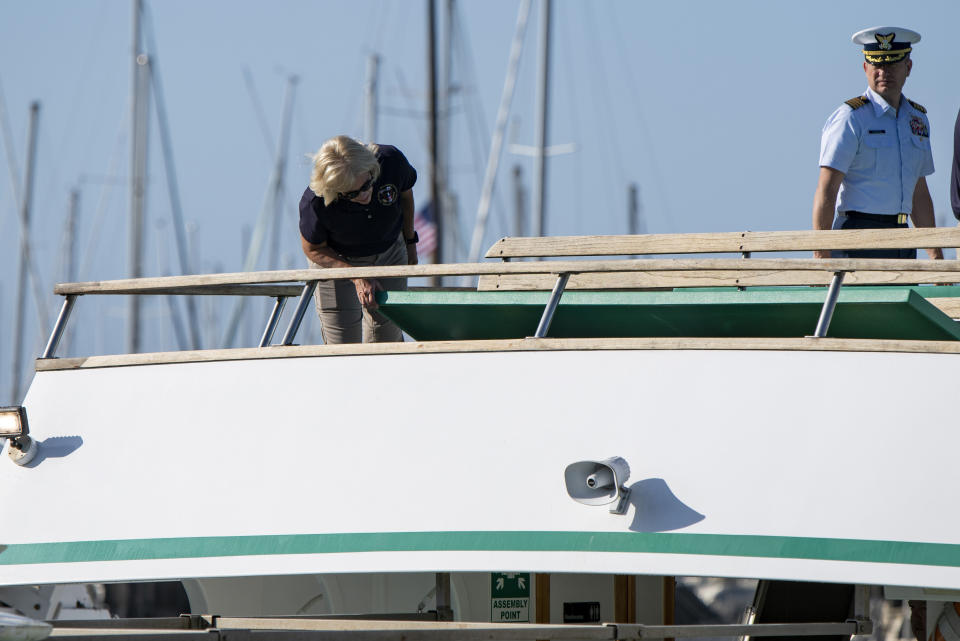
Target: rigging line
[496,143]
[408,95]
[105,193]
[475,117]
[354,109]
[269,207]
[305,141]
[258,110]
[173,188]
[658,182]
[12,167]
[604,100]
[379,28]
[81,90]
[603,97]
[577,185]
[173,310]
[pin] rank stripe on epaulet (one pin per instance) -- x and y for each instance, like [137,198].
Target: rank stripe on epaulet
[918,107]
[856,103]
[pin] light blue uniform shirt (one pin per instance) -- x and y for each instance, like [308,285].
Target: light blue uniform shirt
[881,152]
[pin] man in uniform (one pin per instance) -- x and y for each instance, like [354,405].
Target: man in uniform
[875,151]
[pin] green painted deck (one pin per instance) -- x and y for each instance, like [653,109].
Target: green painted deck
[900,313]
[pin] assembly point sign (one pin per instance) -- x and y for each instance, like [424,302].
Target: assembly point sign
[510,597]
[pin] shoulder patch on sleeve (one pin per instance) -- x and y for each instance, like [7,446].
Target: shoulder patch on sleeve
[856,103]
[917,106]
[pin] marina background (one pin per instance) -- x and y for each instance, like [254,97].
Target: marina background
[713,111]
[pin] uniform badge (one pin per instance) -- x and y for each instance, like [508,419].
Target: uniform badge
[387,194]
[885,40]
[918,127]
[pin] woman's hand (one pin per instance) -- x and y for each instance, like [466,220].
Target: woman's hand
[366,292]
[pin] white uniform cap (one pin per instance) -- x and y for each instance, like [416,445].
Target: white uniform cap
[883,45]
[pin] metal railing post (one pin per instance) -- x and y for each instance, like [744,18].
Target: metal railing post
[60,325]
[551,307]
[294,325]
[826,313]
[272,321]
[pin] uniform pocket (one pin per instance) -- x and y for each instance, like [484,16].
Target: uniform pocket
[884,152]
[917,157]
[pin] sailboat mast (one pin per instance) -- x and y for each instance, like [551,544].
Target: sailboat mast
[452,228]
[139,106]
[69,252]
[370,99]
[634,224]
[543,100]
[432,141]
[25,205]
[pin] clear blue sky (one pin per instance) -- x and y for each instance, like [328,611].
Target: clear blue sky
[713,108]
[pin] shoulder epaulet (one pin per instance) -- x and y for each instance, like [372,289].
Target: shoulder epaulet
[856,103]
[917,106]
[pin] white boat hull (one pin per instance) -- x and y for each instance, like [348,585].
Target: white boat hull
[821,466]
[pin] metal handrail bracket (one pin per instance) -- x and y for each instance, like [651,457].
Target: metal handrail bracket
[61,324]
[272,321]
[551,307]
[294,325]
[829,305]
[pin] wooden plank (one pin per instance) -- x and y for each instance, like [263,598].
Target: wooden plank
[596,631]
[509,345]
[280,629]
[271,291]
[948,305]
[541,592]
[671,279]
[669,602]
[725,242]
[624,598]
[212,282]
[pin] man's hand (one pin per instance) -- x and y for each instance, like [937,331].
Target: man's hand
[412,258]
[366,292]
[821,253]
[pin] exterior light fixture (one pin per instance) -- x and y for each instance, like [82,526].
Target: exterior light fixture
[14,427]
[599,483]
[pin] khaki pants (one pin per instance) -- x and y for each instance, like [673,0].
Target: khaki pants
[343,319]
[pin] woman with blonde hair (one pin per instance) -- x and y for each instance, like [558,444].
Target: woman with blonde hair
[358,211]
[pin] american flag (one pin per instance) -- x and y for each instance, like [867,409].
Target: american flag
[426,228]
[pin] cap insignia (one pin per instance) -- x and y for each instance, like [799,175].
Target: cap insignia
[885,40]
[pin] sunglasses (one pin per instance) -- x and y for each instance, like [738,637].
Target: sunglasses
[350,195]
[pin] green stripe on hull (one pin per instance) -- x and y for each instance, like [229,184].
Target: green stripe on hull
[781,547]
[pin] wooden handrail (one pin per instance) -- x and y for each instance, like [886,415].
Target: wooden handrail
[222,283]
[503,345]
[725,242]
[670,279]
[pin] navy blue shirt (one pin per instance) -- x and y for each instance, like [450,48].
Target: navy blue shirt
[352,229]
